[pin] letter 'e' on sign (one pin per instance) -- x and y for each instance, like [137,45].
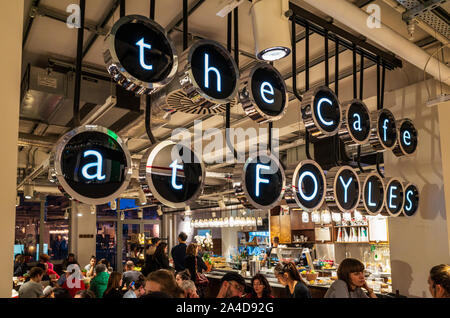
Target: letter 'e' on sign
[173,173]
[263,93]
[356,124]
[91,164]
[321,112]
[411,200]
[384,131]
[373,193]
[344,183]
[139,55]
[309,185]
[407,139]
[394,198]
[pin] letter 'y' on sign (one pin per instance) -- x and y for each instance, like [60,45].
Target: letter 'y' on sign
[175,166]
[98,175]
[345,185]
[142,46]
[259,180]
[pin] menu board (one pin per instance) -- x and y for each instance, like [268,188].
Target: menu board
[378,229]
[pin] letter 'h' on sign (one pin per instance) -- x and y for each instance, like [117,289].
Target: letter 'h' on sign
[98,175]
[259,180]
[213,69]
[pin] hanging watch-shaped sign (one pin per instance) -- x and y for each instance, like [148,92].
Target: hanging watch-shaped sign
[373,193]
[309,185]
[356,124]
[406,138]
[139,55]
[91,164]
[384,131]
[263,181]
[411,200]
[394,198]
[321,112]
[173,173]
[263,93]
[343,182]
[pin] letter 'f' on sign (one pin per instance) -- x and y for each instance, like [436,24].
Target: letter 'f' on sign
[142,46]
[213,69]
[259,180]
[175,166]
[99,163]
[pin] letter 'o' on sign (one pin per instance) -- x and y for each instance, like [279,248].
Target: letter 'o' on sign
[139,55]
[384,131]
[406,138]
[411,200]
[309,185]
[263,93]
[91,164]
[356,123]
[263,181]
[173,173]
[346,187]
[321,112]
[373,193]
[394,197]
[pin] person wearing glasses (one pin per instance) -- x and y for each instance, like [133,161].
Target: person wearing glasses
[288,275]
[232,285]
[350,282]
[439,281]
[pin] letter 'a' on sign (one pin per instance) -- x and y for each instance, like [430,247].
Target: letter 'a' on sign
[321,112]
[91,164]
[407,138]
[139,55]
[384,132]
[309,185]
[372,193]
[394,199]
[343,182]
[356,123]
[263,93]
[263,182]
[411,200]
[173,173]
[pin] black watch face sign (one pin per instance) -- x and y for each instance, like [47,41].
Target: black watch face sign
[268,90]
[214,70]
[346,189]
[358,121]
[394,197]
[327,110]
[264,181]
[411,200]
[407,138]
[387,131]
[140,50]
[92,165]
[373,194]
[309,185]
[174,174]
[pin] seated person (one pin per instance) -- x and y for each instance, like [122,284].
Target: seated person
[33,288]
[232,285]
[439,281]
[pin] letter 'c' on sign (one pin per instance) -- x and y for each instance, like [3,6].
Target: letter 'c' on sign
[319,111]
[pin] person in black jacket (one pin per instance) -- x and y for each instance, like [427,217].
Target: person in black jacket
[194,263]
[113,289]
[159,260]
[179,252]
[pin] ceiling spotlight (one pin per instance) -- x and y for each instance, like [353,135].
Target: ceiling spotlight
[28,191]
[79,214]
[159,210]
[271,44]
[66,215]
[93,209]
[141,196]
[18,200]
[113,204]
[122,215]
[140,214]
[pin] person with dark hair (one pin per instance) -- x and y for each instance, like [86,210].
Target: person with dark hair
[260,287]
[162,280]
[33,288]
[84,294]
[350,281]
[194,264]
[104,261]
[113,289]
[136,288]
[45,259]
[179,252]
[20,267]
[159,260]
[71,259]
[61,293]
[149,254]
[90,267]
[100,282]
[439,281]
[182,276]
[232,285]
[288,275]
[275,242]
[45,277]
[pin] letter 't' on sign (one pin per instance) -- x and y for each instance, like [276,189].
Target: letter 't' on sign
[321,112]
[411,200]
[356,123]
[91,164]
[407,139]
[263,181]
[263,93]
[344,182]
[172,173]
[373,193]
[309,185]
[139,55]
[384,131]
[394,197]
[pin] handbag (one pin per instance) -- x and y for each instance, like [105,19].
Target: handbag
[200,278]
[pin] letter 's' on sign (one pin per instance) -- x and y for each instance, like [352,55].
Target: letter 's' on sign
[321,112]
[344,183]
[172,173]
[356,124]
[394,198]
[411,200]
[263,182]
[384,131]
[139,55]
[406,138]
[263,93]
[373,193]
[91,164]
[309,185]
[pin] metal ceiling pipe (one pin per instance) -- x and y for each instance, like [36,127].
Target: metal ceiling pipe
[356,19]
